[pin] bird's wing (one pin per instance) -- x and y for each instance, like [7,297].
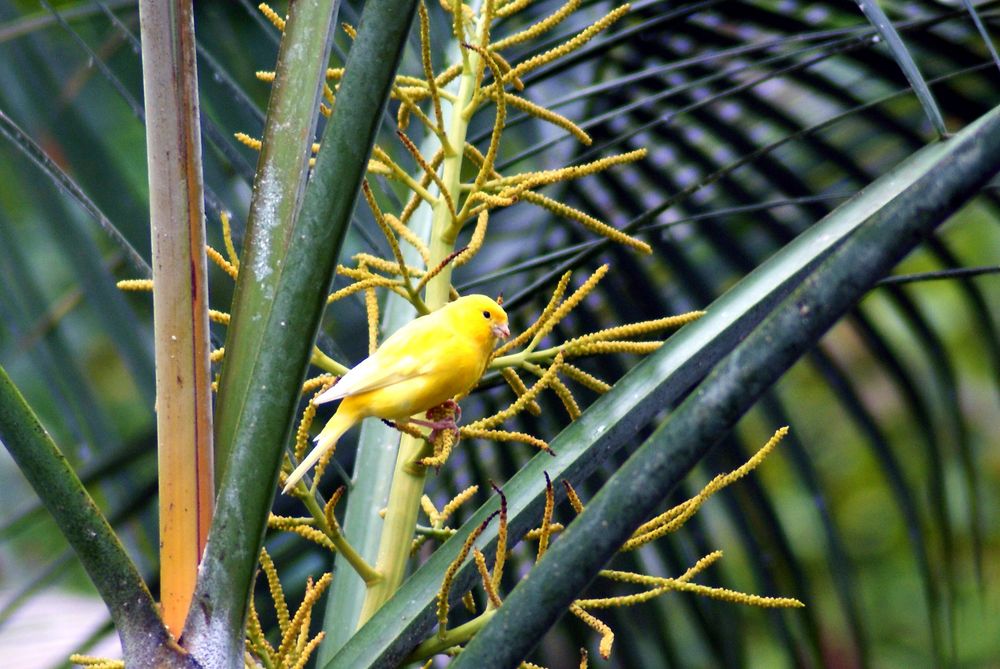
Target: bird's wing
[401,357]
[370,375]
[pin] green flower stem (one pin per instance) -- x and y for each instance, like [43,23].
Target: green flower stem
[451,638]
[445,227]
[442,533]
[409,476]
[363,569]
[400,521]
[378,446]
[526,356]
[326,363]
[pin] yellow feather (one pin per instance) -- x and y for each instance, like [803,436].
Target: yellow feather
[425,363]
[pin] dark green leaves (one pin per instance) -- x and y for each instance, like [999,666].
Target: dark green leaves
[133,610]
[913,194]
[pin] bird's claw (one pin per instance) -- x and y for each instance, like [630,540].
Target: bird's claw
[444,410]
[444,416]
[437,426]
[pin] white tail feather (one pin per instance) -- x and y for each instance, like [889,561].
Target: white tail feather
[325,440]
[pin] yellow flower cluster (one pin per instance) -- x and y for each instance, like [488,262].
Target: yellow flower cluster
[296,646]
[488,189]
[91,662]
[652,586]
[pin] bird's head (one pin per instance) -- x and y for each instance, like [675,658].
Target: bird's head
[485,315]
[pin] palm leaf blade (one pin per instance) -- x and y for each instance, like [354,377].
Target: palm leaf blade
[630,496]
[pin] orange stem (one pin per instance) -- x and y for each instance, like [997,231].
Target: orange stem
[180,299]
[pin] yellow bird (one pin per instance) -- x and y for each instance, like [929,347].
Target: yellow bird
[425,363]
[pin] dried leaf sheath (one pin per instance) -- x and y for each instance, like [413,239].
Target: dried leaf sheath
[180,301]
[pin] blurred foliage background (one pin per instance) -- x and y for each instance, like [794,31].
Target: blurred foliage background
[879,511]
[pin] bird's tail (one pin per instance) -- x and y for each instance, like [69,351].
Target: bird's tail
[340,423]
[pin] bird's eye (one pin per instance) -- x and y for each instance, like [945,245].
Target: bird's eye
[486,314]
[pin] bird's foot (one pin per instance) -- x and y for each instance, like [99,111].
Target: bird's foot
[437,426]
[444,416]
[444,410]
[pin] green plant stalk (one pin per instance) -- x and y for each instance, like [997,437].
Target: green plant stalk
[279,185]
[145,639]
[363,569]
[527,356]
[378,446]
[453,637]
[409,475]
[444,229]
[731,389]
[180,301]
[326,363]
[408,478]
[439,533]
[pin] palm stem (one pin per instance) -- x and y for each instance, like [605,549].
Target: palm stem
[409,475]
[444,228]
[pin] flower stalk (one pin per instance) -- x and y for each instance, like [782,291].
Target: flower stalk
[455,636]
[409,475]
[367,573]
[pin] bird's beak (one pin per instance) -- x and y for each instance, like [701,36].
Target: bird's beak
[500,331]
